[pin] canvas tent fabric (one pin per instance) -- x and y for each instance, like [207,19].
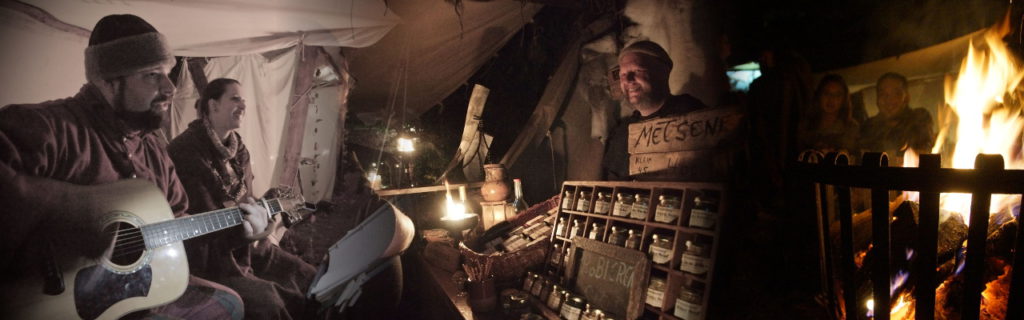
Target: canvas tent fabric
[431,54]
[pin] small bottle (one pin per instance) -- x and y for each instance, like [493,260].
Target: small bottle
[588,314]
[633,240]
[623,206]
[554,300]
[603,204]
[688,305]
[668,209]
[567,200]
[661,249]
[595,231]
[529,280]
[556,254]
[703,214]
[572,308]
[519,204]
[575,230]
[656,292]
[583,203]
[617,237]
[560,228]
[538,285]
[640,205]
[693,260]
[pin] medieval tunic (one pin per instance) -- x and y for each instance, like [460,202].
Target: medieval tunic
[81,141]
[615,163]
[272,282]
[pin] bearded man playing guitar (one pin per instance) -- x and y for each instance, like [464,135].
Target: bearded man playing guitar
[62,168]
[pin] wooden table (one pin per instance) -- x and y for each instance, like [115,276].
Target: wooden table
[443,279]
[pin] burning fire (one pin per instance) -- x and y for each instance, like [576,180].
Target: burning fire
[987,114]
[984,115]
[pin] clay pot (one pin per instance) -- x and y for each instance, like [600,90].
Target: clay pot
[495,187]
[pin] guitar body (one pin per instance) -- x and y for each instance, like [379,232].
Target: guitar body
[119,283]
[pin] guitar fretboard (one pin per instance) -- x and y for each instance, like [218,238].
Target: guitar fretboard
[184,228]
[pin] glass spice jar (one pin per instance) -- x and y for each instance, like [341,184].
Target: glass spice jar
[603,204]
[560,228]
[688,305]
[572,308]
[633,240]
[554,300]
[529,280]
[583,203]
[661,249]
[592,314]
[656,292]
[556,254]
[575,230]
[567,200]
[546,289]
[595,231]
[519,304]
[693,260]
[617,237]
[538,285]
[668,209]
[703,214]
[641,202]
[623,206]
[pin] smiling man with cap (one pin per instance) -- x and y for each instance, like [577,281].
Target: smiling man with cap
[51,152]
[644,68]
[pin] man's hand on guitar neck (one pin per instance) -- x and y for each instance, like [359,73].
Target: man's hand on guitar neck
[255,223]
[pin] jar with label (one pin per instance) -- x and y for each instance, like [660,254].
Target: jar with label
[668,209]
[703,214]
[554,300]
[641,202]
[603,203]
[623,206]
[688,305]
[656,292]
[567,200]
[693,260]
[572,308]
[633,240]
[617,236]
[538,285]
[595,231]
[575,230]
[583,203]
[529,280]
[661,249]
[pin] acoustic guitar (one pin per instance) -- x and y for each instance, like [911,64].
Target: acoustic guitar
[144,267]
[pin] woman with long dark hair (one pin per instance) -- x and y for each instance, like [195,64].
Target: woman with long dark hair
[829,125]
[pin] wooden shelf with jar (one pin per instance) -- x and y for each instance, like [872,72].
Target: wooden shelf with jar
[681,220]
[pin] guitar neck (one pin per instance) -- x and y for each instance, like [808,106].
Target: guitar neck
[188,227]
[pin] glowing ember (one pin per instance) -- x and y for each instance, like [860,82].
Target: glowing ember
[996,296]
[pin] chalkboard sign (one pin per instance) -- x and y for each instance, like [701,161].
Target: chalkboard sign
[612,278]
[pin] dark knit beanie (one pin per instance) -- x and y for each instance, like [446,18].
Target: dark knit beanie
[648,48]
[123,44]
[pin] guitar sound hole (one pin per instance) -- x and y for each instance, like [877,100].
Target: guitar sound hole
[128,243]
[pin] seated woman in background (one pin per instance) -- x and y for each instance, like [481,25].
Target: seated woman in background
[829,125]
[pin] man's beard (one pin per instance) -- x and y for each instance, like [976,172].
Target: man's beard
[149,120]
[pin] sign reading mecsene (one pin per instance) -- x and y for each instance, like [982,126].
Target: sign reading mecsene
[679,143]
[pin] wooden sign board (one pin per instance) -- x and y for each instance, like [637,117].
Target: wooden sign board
[612,278]
[698,130]
[697,165]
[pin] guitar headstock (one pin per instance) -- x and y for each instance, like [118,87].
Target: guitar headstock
[293,206]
